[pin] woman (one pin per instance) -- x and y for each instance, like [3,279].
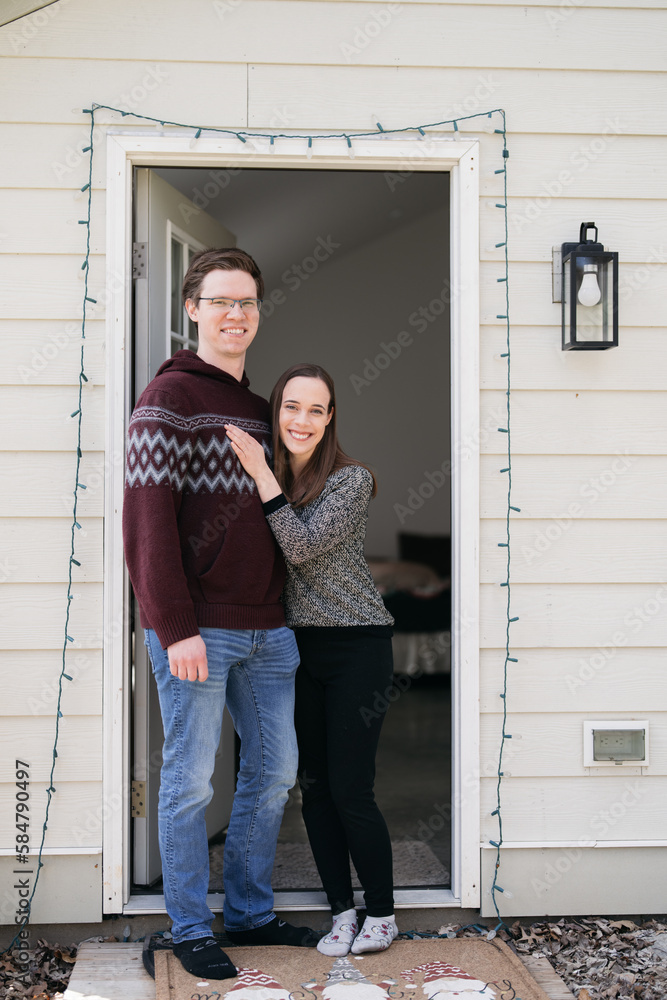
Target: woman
[317,507]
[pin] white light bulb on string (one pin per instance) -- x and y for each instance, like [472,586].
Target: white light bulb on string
[193,140]
[589,293]
[488,126]
[272,144]
[350,150]
[309,151]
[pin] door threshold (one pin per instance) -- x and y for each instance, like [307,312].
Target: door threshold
[415,899]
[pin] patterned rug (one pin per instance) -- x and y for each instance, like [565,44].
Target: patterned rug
[425,968]
[415,864]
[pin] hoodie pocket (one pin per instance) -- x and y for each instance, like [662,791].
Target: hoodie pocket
[244,571]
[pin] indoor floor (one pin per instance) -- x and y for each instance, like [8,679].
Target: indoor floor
[413,789]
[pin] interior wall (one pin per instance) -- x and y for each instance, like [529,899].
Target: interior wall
[358,314]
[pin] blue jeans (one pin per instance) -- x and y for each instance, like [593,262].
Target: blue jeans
[253,670]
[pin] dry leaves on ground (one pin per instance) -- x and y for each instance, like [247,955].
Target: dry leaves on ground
[600,958]
[40,973]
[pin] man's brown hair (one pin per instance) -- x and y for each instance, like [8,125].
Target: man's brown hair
[219,259]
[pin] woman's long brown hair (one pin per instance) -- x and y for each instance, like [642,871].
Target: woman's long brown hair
[328,456]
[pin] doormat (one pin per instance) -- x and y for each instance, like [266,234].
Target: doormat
[425,968]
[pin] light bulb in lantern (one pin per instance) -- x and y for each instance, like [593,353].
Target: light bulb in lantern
[589,293]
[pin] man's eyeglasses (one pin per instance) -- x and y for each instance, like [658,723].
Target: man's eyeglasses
[247,305]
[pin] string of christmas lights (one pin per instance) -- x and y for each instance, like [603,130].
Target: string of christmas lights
[311,139]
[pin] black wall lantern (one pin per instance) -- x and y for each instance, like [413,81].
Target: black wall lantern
[589,293]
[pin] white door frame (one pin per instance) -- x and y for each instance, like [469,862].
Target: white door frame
[460,157]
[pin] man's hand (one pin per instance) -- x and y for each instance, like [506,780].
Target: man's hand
[187,659]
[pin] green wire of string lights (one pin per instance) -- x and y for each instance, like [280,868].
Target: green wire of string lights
[348,136]
[242,136]
[78,485]
[495,888]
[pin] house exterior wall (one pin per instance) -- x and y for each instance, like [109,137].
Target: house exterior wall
[583,90]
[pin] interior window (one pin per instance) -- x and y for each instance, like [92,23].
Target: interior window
[183,332]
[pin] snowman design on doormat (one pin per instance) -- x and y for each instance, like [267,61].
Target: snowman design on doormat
[442,980]
[346,981]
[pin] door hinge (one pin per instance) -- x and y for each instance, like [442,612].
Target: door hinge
[138,801]
[139,257]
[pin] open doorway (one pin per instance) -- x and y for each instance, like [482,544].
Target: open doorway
[357,279]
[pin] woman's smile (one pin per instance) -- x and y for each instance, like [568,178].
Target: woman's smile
[304,414]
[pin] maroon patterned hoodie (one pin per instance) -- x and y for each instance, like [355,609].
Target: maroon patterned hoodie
[197,545]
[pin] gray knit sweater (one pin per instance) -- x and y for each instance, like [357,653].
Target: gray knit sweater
[328,579]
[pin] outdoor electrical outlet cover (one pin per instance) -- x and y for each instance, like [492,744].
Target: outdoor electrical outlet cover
[612,742]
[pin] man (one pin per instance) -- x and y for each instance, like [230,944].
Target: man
[208,577]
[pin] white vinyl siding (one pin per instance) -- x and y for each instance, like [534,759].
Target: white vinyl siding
[583,89]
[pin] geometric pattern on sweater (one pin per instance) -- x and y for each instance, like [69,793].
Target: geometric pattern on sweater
[187,462]
[195,422]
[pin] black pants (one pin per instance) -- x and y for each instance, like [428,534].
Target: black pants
[341,699]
